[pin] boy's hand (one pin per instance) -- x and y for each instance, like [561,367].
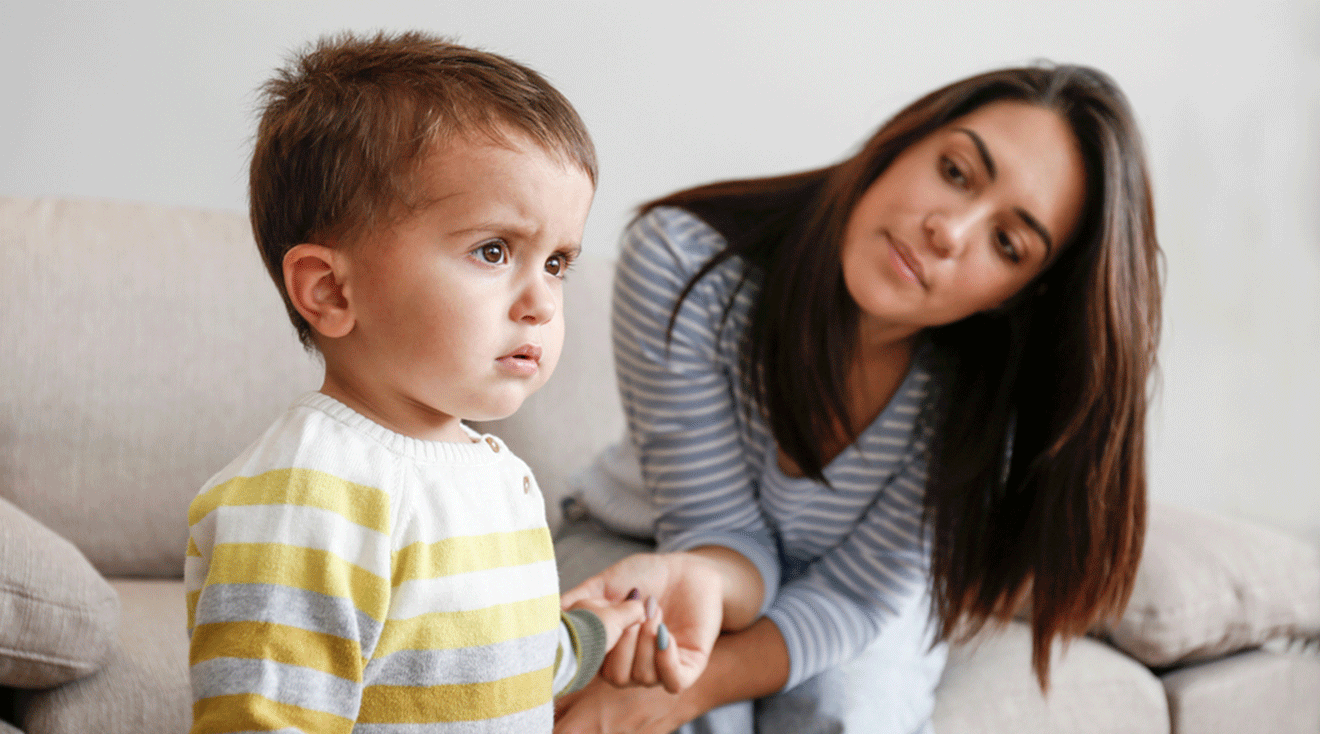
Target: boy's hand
[617,616]
[672,651]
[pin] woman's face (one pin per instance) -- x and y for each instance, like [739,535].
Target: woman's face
[964,218]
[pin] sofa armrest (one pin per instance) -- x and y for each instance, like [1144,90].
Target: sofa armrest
[1209,585]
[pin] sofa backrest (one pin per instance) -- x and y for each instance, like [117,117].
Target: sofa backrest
[142,347]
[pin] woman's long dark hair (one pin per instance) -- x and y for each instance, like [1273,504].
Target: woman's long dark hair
[1037,487]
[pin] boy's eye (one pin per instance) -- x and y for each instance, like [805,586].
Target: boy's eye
[558,265]
[492,252]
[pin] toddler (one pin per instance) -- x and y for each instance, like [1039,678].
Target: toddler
[370,563]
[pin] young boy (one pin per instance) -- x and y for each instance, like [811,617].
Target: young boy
[371,563]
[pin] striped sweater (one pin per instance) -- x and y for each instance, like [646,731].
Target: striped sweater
[342,577]
[837,561]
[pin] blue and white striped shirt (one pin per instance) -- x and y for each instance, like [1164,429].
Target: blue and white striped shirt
[836,561]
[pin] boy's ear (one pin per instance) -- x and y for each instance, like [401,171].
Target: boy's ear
[313,278]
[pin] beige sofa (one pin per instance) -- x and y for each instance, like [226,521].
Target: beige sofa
[142,347]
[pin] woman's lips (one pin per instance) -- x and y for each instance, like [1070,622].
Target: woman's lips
[524,362]
[905,261]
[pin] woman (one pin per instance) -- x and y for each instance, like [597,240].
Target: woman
[908,387]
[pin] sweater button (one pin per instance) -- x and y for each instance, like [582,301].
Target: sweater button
[527,485]
[493,445]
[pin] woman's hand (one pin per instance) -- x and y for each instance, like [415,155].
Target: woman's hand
[684,597]
[601,708]
[743,665]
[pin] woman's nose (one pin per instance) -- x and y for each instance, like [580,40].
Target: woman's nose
[950,232]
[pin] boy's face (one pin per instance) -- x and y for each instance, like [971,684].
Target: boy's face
[459,308]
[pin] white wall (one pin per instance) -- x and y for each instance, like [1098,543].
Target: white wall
[152,101]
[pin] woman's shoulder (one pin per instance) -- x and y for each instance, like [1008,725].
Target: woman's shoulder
[672,238]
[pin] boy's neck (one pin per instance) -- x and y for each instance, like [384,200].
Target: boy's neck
[395,412]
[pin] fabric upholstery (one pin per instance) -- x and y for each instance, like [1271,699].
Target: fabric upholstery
[142,347]
[1255,691]
[1210,585]
[143,688]
[58,617]
[990,688]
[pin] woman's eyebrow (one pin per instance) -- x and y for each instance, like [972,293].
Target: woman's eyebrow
[1040,229]
[980,147]
[991,170]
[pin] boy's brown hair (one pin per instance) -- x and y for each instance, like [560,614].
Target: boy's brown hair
[346,124]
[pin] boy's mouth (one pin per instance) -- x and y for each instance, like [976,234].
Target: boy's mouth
[523,361]
[529,352]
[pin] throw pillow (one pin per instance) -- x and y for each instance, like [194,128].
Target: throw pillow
[1209,585]
[58,616]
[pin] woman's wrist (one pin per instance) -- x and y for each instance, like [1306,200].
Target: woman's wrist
[742,587]
[743,665]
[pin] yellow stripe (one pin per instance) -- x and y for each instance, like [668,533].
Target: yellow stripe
[299,568]
[280,643]
[366,506]
[473,628]
[250,712]
[472,553]
[192,549]
[192,597]
[458,702]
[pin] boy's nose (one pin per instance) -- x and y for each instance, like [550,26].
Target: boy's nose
[536,302]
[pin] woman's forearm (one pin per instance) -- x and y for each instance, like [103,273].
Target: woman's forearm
[743,665]
[744,590]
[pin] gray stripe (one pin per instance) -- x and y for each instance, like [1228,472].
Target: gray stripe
[465,664]
[539,719]
[290,684]
[285,605]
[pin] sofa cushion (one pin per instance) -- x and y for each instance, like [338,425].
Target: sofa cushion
[57,615]
[989,688]
[142,348]
[143,688]
[1258,690]
[1210,585]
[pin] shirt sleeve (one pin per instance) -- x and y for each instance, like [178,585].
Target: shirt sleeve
[288,586]
[678,395]
[581,651]
[840,604]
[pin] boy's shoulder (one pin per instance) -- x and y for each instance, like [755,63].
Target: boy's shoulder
[310,439]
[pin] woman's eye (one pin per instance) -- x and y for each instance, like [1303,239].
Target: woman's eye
[952,172]
[1006,247]
[493,253]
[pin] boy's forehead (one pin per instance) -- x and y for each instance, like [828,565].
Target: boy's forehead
[469,162]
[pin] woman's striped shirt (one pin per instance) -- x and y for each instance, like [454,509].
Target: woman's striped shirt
[837,560]
[342,577]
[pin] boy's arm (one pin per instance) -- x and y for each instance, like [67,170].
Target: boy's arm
[582,648]
[280,623]
[587,633]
